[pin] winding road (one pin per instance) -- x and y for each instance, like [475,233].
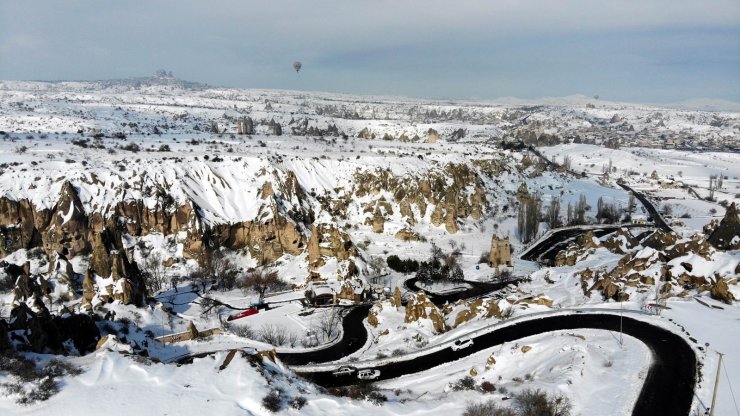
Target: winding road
[668,387]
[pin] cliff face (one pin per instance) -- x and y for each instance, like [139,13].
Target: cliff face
[266,207]
[449,195]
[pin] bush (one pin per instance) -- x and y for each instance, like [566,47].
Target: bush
[484,257]
[376,398]
[536,402]
[487,387]
[298,402]
[243,331]
[31,384]
[465,383]
[273,401]
[57,368]
[276,335]
[488,408]
[47,388]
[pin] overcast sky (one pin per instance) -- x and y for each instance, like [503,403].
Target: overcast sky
[631,50]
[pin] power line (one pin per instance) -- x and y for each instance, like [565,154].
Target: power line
[731,392]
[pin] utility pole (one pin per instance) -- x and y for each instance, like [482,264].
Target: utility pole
[620,324]
[716,383]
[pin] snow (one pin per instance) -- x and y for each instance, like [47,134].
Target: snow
[44,117]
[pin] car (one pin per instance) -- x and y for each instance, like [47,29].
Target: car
[461,343]
[344,370]
[368,374]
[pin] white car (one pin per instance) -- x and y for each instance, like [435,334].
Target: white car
[369,374]
[461,343]
[344,371]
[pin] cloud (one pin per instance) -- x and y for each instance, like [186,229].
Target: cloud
[429,48]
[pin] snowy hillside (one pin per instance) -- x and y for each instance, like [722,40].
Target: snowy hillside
[133,210]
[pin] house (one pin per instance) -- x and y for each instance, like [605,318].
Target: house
[319,294]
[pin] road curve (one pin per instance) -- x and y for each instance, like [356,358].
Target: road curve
[353,338]
[668,388]
[654,214]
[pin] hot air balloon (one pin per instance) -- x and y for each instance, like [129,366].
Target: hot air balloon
[297,66]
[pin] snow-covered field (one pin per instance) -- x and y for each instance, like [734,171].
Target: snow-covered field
[362,157]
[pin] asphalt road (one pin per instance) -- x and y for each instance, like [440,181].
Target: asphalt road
[654,214]
[668,387]
[353,339]
[548,248]
[477,289]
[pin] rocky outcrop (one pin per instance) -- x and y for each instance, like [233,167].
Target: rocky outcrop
[245,125]
[500,254]
[456,192]
[42,332]
[479,307]
[620,242]
[721,291]
[420,307]
[328,241]
[406,234]
[577,250]
[727,235]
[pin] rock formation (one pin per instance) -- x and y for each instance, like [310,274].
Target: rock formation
[727,235]
[420,307]
[500,254]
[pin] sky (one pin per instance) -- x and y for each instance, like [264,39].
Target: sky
[656,51]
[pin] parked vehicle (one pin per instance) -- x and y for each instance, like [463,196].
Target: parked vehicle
[344,371]
[461,344]
[369,374]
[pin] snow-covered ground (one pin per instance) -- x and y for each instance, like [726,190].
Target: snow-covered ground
[47,139]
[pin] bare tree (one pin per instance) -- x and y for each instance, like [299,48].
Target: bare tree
[579,212]
[276,335]
[631,204]
[201,278]
[436,252]
[376,265]
[528,218]
[328,323]
[259,280]
[154,272]
[712,186]
[208,305]
[553,213]
[219,268]
[566,162]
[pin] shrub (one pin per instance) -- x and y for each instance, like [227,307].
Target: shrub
[376,398]
[298,402]
[131,147]
[273,334]
[243,331]
[487,387]
[488,408]
[484,257]
[465,383]
[57,368]
[537,402]
[47,388]
[273,401]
